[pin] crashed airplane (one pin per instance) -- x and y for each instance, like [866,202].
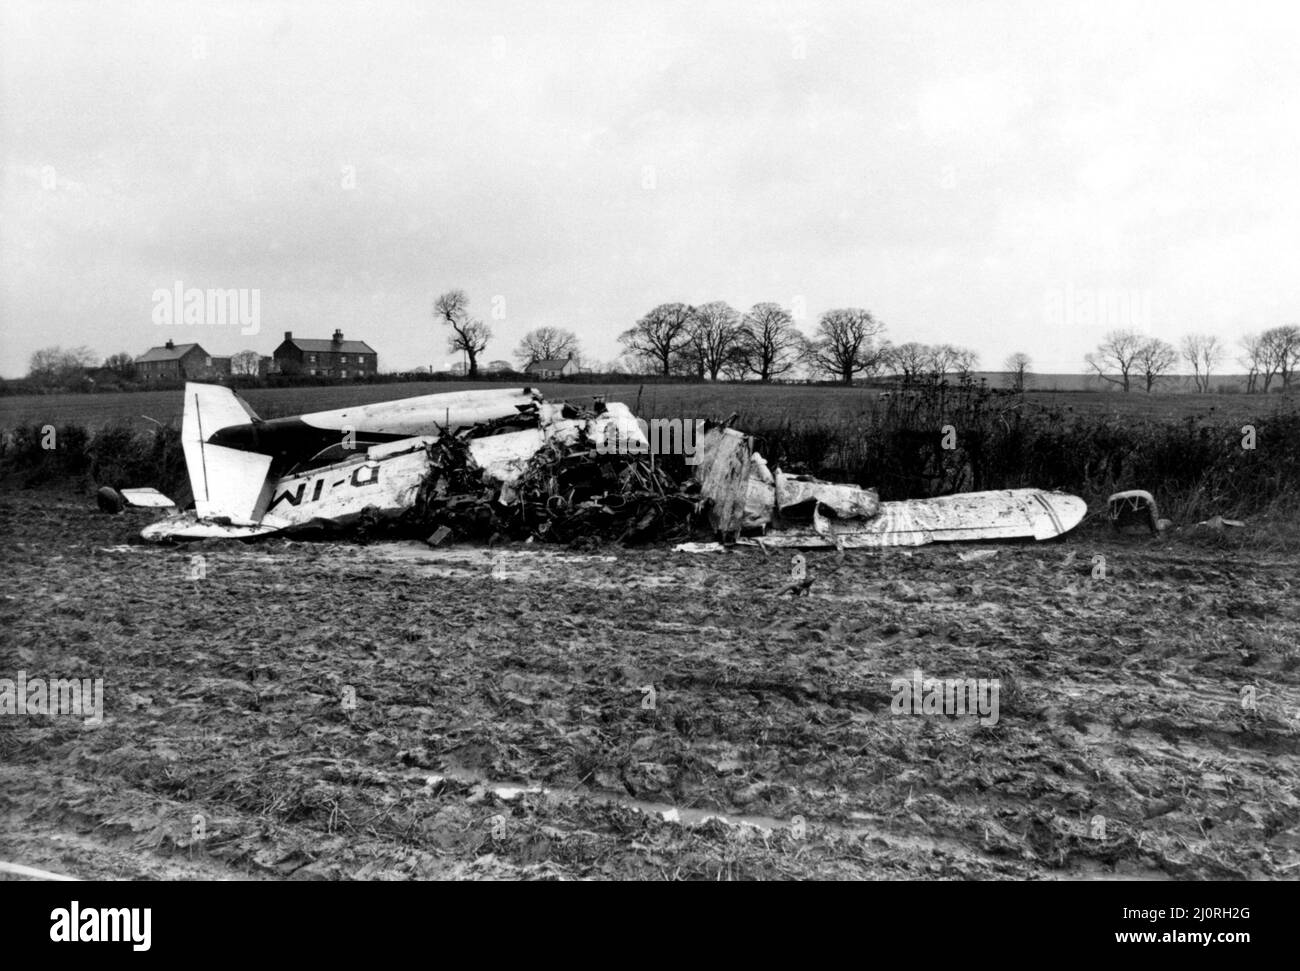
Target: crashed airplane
[252,477]
[334,469]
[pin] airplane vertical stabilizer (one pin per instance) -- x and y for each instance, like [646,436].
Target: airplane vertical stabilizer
[226,482]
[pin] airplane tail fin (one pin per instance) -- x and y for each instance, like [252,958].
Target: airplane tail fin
[227,483]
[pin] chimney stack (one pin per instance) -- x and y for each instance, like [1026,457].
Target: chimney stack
[288,335]
[170,346]
[338,336]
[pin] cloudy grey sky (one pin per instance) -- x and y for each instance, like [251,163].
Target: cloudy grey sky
[963,170]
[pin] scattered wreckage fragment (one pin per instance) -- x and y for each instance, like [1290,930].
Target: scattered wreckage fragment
[1134,509]
[114,501]
[745,494]
[803,512]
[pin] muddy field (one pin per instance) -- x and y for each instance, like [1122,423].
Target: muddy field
[308,710]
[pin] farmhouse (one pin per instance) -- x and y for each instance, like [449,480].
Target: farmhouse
[334,358]
[180,362]
[555,368]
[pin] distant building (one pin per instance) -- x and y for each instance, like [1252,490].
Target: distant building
[180,362]
[550,370]
[498,367]
[335,358]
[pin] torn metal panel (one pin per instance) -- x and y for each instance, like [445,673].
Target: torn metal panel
[504,458]
[846,501]
[760,494]
[723,471]
[188,526]
[1004,514]
[617,425]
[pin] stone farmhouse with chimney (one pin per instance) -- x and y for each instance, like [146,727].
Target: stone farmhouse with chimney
[174,362]
[334,358]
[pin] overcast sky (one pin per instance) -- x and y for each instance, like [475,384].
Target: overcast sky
[959,169]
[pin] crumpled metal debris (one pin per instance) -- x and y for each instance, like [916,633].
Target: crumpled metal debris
[1218,523]
[1134,509]
[554,483]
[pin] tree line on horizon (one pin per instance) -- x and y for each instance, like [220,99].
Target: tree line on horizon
[714,340]
[1124,356]
[765,344]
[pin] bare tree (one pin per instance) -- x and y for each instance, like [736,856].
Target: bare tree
[246,362]
[468,333]
[846,344]
[910,360]
[712,334]
[964,360]
[1203,352]
[941,360]
[1154,358]
[1017,367]
[1116,353]
[1253,359]
[54,367]
[1281,347]
[658,336]
[769,343]
[548,344]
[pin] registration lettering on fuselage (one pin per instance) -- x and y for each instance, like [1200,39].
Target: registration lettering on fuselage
[362,476]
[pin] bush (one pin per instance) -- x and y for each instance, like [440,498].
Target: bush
[1001,441]
[116,455]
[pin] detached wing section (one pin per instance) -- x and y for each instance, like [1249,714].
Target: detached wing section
[1004,514]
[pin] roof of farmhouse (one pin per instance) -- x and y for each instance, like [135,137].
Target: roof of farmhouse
[167,352]
[338,345]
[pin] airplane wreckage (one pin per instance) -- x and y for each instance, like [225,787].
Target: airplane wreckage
[507,463]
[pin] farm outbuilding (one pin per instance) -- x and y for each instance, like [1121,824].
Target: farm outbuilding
[560,367]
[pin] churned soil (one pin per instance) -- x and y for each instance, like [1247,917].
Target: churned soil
[298,710]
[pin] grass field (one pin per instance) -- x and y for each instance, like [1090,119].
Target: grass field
[755,404]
